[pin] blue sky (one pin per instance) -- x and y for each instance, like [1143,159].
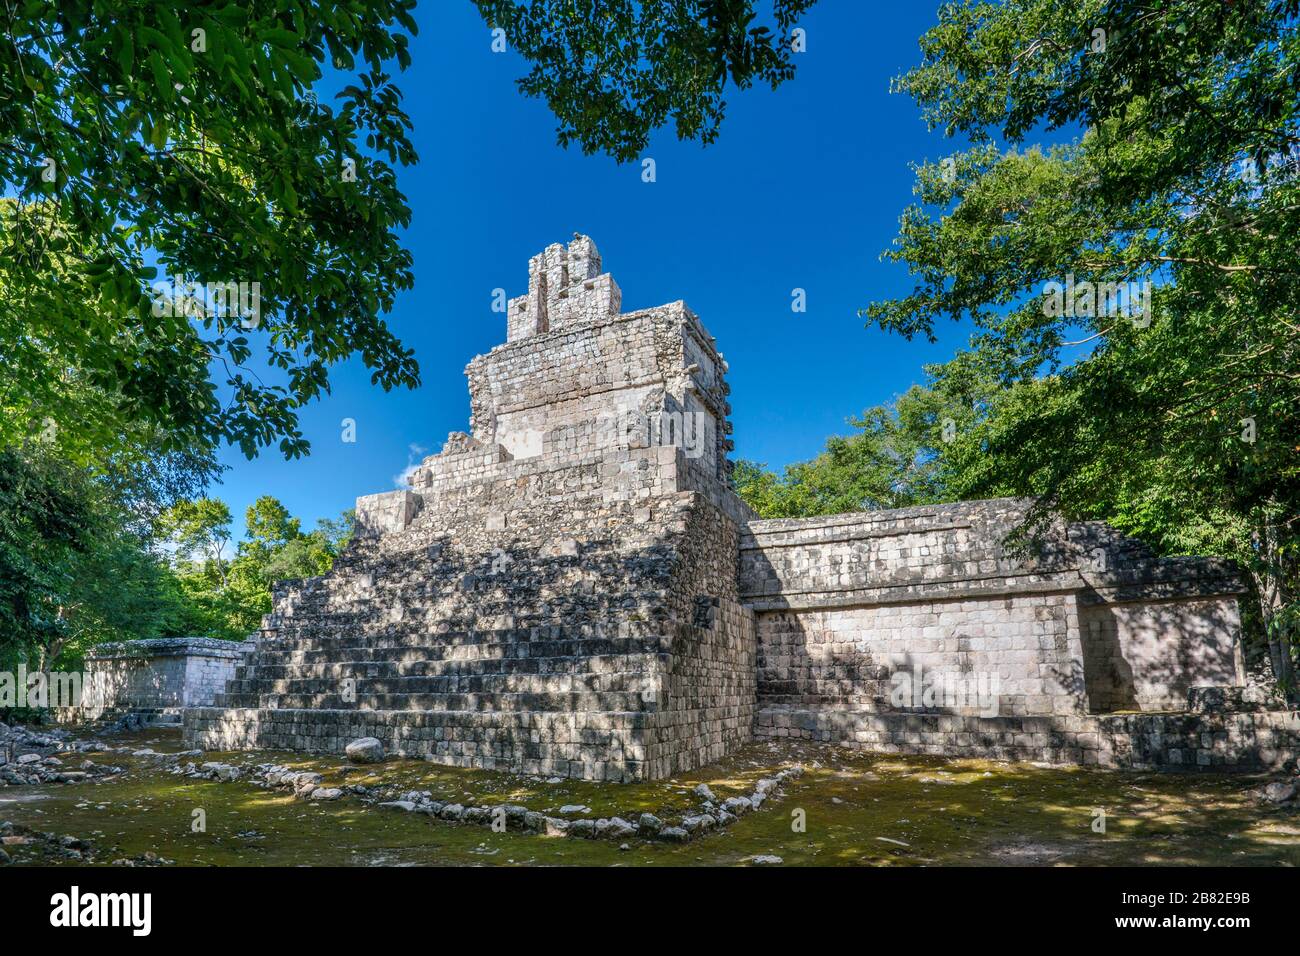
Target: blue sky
[803,188]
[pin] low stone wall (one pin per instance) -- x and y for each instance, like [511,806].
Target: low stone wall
[158,674]
[1025,646]
[1242,742]
[1086,621]
[591,746]
[1147,655]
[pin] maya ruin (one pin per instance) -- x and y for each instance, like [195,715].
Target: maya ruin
[880,470]
[572,588]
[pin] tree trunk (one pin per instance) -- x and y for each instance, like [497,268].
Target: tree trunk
[46,654]
[1271,584]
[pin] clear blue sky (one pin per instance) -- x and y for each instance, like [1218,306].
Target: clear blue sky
[803,188]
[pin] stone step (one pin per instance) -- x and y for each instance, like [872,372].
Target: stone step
[303,628]
[827,690]
[360,651]
[443,633]
[581,664]
[465,684]
[361,583]
[564,601]
[603,746]
[483,573]
[613,702]
[867,703]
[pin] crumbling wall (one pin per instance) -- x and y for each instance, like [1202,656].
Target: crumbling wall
[1148,655]
[1006,655]
[158,674]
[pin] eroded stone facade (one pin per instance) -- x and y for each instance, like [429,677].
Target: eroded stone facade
[572,588]
[160,674]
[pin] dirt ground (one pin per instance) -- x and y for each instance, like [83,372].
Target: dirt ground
[847,809]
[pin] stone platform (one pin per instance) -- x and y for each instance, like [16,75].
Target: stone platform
[1252,742]
[161,674]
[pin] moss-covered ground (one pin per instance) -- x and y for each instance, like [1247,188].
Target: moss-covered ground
[857,810]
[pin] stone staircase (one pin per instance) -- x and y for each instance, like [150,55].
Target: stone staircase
[449,630]
[557,658]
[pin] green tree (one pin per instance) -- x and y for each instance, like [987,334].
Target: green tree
[120,590]
[894,460]
[228,599]
[76,565]
[201,530]
[311,554]
[615,71]
[43,522]
[141,137]
[1176,171]
[269,526]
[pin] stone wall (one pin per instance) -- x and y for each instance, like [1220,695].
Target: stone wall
[1148,655]
[926,630]
[618,382]
[565,287]
[159,674]
[1081,620]
[1253,742]
[706,684]
[1023,647]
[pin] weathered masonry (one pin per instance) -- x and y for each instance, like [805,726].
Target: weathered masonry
[162,674]
[919,631]
[574,589]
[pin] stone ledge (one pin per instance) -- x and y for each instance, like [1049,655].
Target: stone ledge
[170,647]
[1224,743]
[918,591]
[831,533]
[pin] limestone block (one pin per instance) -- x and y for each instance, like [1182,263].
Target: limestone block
[387,512]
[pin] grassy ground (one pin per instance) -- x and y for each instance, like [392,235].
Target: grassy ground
[859,810]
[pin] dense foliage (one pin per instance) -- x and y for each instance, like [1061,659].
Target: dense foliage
[148,141]
[889,462]
[226,591]
[78,566]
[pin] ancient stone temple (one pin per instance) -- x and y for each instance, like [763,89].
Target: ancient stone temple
[572,588]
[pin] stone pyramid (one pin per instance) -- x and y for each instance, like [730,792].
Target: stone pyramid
[555,593]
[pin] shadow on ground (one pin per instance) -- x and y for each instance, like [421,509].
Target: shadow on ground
[856,810]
